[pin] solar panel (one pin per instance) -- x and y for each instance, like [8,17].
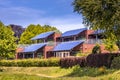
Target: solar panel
[73,32]
[43,35]
[33,47]
[67,45]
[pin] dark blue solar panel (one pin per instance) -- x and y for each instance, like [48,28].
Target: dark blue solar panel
[67,45]
[33,47]
[73,32]
[43,35]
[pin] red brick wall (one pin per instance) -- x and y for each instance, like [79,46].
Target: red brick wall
[88,32]
[87,48]
[46,49]
[56,35]
[82,33]
[79,47]
[19,50]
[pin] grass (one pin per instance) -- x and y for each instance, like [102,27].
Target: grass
[56,73]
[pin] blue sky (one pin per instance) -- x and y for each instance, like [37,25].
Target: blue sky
[58,13]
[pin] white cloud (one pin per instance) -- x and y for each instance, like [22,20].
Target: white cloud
[24,16]
[63,24]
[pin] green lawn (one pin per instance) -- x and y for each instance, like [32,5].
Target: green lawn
[56,73]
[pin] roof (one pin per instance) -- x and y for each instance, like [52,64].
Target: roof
[66,46]
[73,32]
[33,47]
[43,35]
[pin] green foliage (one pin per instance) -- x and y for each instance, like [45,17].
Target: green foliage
[7,42]
[102,69]
[116,63]
[118,44]
[33,30]
[30,62]
[56,73]
[100,14]
[96,49]
[87,71]
[110,45]
[80,54]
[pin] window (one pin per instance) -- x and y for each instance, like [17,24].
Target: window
[40,55]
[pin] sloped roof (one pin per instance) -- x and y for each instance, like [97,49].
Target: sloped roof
[73,32]
[43,35]
[33,47]
[64,46]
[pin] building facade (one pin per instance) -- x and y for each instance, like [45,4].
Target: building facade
[52,44]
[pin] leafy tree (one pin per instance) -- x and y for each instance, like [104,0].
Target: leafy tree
[33,30]
[7,42]
[100,14]
[110,45]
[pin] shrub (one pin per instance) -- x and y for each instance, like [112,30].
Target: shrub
[98,60]
[102,69]
[110,45]
[96,49]
[30,62]
[87,71]
[2,69]
[80,54]
[69,62]
[116,63]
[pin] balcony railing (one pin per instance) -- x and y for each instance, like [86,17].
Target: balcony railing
[94,41]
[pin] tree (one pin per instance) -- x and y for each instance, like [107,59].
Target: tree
[100,14]
[7,42]
[33,30]
[110,45]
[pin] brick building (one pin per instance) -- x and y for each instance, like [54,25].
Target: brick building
[42,44]
[52,44]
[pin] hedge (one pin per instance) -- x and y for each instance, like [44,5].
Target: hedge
[30,63]
[69,62]
[92,60]
[98,60]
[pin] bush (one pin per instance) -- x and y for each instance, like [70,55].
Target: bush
[98,60]
[96,49]
[110,45]
[2,69]
[30,62]
[102,69]
[80,54]
[69,62]
[116,63]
